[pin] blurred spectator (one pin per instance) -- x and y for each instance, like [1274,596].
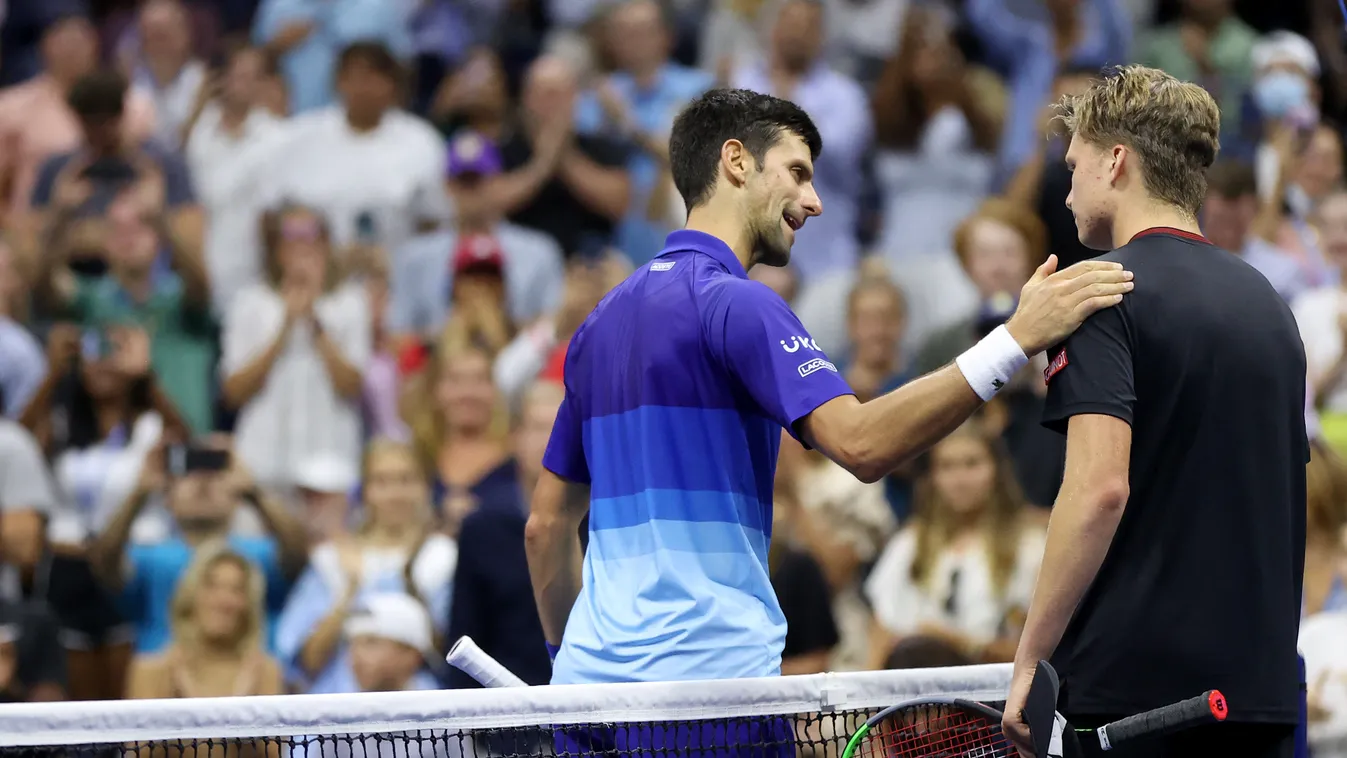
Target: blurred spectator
[394,549]
[371,168]
[382,390]
[493,595]
[876,312]
[202,498]
[228,146]
[474,97]
[963,570]
[1310,162]
[325,483]
[794,69]
[637,103]
[1325,621]
[460,427]
[844,523]
[1043,180]
[87,180]
[427,270]
[32,663]
[477,294]
[163,64]
[999,246]
[294,349]
[541,347]
[32,660]
[37,121]
[21,363]
[217,624]
[1321,314]
[1228,215]
[804,595]
[730,36]
[936,130]
[925,652]
[863,34]
[391,644]
[172,307]
[1208,45]
[310,38]
[574,187]
[1326,550]
[1030,51]
[1284,95]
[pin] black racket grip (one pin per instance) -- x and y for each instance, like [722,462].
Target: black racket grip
[1207,708]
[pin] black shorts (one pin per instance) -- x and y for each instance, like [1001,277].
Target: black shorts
[1214,740]
[85,609]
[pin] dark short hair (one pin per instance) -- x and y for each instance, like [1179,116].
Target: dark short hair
[1232,180]
[372,53]
[101,94]
[756,120]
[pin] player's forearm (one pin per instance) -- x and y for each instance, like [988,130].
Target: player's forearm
[1080,531]
[893,428]
[553,548]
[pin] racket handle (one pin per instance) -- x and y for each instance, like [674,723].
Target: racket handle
[473,661]
[1207,708]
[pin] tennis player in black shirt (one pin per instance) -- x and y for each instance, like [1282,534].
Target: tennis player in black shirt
[1176,547]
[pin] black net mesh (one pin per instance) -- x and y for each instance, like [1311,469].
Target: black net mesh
[817,735]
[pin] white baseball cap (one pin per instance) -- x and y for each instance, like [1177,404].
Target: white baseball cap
[326,473]
[1285,48]
[394,616]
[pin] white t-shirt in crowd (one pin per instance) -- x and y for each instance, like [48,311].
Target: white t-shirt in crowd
[958,593]
[395,173]
[228,175]
[298,412]
[1323,642]
[1316,313]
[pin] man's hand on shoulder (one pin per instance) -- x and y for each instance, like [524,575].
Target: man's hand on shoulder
[1053,303]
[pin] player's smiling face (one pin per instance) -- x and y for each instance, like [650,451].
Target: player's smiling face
[1091,180]
[782,198]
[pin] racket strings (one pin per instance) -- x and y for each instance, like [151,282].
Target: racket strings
[936,732]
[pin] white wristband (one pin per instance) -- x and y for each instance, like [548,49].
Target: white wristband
[990,363]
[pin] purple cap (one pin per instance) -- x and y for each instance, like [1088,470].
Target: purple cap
[471,153]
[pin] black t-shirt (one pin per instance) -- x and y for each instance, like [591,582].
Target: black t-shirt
[1201,586]
[555,210]
[802,591]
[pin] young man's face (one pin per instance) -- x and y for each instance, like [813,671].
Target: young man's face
[382,665]
[1089,201]
[781,197]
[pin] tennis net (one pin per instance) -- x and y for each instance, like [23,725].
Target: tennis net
[784,717]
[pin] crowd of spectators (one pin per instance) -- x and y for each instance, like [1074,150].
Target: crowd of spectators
[286,285]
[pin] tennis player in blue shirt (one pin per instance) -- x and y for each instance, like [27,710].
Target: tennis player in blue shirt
[677,388]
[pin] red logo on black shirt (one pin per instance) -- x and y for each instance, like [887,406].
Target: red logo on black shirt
[1058,363]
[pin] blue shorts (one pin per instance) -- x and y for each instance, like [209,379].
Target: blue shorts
[769,737]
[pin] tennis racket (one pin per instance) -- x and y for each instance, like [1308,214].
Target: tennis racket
[946,727]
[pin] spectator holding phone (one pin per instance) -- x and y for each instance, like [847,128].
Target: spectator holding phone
[37,120]
[202,486]
[295,349]
[107,162]
[172,307]
[97,411]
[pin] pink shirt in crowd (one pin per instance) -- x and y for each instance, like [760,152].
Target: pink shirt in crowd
[36,123]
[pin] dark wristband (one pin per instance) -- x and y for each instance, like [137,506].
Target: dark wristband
[552,650]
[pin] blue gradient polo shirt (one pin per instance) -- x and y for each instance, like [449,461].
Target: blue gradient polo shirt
[677,388]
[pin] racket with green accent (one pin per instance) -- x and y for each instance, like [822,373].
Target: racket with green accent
[949,727]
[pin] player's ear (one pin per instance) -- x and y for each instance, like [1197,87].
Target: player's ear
[1119,157]
[735,161]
